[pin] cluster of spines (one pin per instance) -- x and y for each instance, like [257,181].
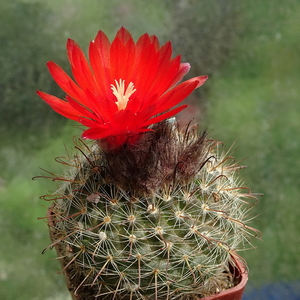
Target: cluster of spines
[173,242]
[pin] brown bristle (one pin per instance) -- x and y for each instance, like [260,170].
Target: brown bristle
[164,156]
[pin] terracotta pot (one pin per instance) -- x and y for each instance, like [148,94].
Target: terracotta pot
[236,292]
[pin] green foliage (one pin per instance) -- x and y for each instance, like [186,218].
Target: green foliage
[25,272]
[205,32]
[255,103]
[26,45]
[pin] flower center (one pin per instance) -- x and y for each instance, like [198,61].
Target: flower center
[121,94]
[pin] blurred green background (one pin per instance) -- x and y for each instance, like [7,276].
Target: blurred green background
[250,50]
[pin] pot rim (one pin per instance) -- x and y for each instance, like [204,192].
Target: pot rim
[240,270]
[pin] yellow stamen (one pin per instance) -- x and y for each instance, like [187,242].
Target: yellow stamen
[121,94]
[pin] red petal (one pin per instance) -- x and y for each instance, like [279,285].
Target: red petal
[178,93]
[166,75]
[200,79]
[122,56]
[84,111]
[99,56]
[65,82]
[148,65]
[60,106]
[165,116]
[124,35]
[183,70]
[97,132]
[80,67]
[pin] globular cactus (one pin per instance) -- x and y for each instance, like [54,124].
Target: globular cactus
[150,212]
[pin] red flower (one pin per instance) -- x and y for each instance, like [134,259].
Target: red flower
[125,87]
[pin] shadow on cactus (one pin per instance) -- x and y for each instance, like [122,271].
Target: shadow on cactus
[148,210]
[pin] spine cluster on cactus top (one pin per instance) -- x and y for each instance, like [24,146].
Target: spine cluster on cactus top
[159,220]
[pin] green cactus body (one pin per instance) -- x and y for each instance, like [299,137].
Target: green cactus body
[160,220]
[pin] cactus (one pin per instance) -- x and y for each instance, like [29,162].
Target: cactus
[150,212]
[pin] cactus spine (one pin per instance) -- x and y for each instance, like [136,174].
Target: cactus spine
[161,219]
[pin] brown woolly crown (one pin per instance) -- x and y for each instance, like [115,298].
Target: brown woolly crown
[163,157]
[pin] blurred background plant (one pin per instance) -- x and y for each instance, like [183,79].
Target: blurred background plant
[250,49]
